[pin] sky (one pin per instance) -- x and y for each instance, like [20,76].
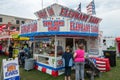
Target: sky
[107,10]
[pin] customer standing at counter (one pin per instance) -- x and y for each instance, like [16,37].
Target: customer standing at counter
[67,58]
[79,62]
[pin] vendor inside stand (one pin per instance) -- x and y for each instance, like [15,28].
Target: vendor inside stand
[69,42]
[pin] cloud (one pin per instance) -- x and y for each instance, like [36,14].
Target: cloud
[110,23]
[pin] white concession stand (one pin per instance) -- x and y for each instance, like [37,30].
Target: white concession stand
[57,27]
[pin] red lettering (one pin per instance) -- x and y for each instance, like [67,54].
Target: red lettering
[94,29]
[72,25]
[76,15]
[27,28]
[85,17]
[42,14]
[50,11]
[86,28]
[80,26]
[70,14]
[97,20]
[31,27]
[53,25]
[59,23]
[34,27]
[64,12]
[81,16]
[53,28]
[76,26]
[93,20]
[90,20]
[47,23]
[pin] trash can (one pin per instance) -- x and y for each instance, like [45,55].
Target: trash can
[111,54]
[29,64]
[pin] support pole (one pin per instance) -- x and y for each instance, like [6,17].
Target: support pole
[55,51]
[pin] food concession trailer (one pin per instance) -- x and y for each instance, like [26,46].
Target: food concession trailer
[57,27]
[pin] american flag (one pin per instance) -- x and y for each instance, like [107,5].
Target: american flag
[91,8]
[79,8]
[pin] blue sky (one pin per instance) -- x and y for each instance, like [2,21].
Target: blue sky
[108,10]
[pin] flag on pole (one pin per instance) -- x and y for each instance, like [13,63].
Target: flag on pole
[42,4]
[3,26]
[91,8]
[79,8]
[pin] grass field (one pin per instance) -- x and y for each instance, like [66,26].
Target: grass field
[113,74]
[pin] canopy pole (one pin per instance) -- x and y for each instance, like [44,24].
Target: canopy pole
[34,45]
[55,51]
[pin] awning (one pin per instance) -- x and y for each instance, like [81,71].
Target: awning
[17,37]
[59,33]
[22,38]
[14,36]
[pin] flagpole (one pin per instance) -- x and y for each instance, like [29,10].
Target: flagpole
[56,1]
[42,4]
[79,7]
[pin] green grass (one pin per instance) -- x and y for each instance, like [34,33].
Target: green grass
[113,74]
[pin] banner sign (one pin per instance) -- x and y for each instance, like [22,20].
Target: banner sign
[83,27]
[29,27]
[53,25]
[43,13]
[11,69]
[58,10]
[60,18]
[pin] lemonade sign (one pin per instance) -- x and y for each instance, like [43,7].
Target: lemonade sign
[11,69]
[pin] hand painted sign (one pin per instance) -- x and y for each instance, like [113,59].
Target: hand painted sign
[29,27]
[43,13]
[58,10]
[53,25]
[83,27]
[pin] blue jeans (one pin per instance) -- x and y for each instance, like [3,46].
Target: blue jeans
[79,70]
